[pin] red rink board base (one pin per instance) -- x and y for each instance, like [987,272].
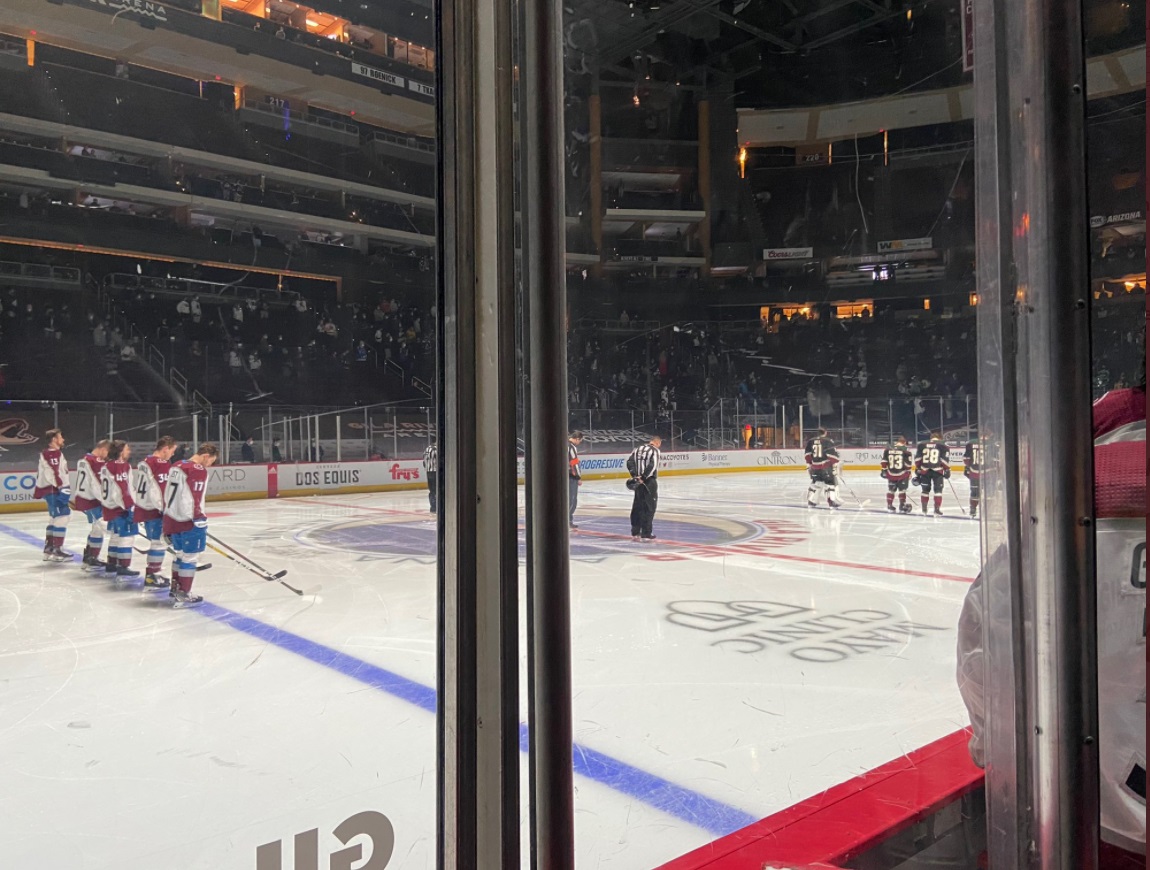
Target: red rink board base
[849,818]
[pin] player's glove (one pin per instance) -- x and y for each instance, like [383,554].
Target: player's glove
[946,472]
[966,472]
[200,523]
[885,474]
[66,491]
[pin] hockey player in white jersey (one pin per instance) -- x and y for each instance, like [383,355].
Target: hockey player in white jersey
[151,481]
[89,492]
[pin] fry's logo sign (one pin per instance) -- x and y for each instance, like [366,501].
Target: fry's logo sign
[400,473]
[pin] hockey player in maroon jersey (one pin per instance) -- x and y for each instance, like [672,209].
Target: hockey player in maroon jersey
[972,468]
[52,485]
[151,480]
[118,506]
[185,521]
[89,489]
[897,464]
[822,461]
[931,468]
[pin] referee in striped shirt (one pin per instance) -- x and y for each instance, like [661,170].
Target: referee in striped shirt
[574,474]
[431,467]
[643,465]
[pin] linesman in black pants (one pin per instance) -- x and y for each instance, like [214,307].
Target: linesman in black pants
[643,466]
[574,475]
[431,467]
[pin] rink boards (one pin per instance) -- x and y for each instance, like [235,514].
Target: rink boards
[291,480]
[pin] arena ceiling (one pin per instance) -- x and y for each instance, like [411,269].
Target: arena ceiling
[781,53]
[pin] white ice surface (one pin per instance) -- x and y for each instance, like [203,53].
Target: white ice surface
[133,736]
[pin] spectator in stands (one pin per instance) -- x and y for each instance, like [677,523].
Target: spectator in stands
[235,364]
[184,308]
[128,352]
[100,335]
[277,455]
[248,451]
[238,314]
[197,310]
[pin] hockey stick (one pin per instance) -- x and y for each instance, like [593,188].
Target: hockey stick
[261,574]
[862,504]
[244,562]
[956,498]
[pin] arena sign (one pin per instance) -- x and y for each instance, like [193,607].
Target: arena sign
[788,253]
[370,72]
[924,244]
[137,7]
[272,480]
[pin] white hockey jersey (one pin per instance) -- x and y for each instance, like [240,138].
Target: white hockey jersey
[1120,510]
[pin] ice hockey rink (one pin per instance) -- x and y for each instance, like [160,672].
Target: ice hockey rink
[756,655]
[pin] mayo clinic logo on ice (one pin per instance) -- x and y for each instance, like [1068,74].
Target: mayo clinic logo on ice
[378,841]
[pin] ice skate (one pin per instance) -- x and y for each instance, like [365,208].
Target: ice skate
[156,581]
[58,555]
[92,563]
[891,508]
[181,599]
[124,573]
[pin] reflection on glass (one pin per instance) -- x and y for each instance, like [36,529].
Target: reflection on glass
[770,249]
[218,244]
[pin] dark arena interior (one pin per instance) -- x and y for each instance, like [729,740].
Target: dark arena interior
[306,256]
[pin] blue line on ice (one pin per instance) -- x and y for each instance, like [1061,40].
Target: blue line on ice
[675,800]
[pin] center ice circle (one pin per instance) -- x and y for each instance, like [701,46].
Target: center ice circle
[598,535]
